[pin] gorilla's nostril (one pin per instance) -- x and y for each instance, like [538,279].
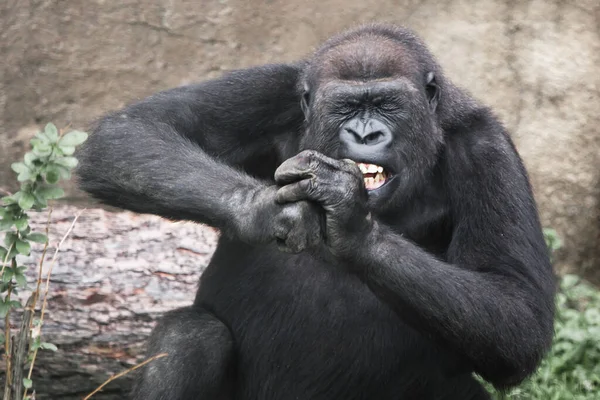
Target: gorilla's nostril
[373,138]
[357,138]
[371,132]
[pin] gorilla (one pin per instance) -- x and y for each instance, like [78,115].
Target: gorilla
[379,236]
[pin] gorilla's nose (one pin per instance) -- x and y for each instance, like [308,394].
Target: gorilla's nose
[365,132]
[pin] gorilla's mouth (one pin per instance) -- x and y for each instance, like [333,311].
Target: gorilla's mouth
[375,176]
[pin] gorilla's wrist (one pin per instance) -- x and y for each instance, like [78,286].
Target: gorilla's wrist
[251,210]
[355,239]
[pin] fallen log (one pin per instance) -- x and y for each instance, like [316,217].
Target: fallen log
[116,274]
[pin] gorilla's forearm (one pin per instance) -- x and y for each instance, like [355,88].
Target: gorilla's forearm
[181,154]
[149,167]
[497,320]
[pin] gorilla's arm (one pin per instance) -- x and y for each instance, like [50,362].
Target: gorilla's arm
[493,298]
[182,153]
[492,301]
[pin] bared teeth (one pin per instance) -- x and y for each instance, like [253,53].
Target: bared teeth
[374,175]
[374,182]
[369,168]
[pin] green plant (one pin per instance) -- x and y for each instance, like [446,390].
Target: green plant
[49,161]
[572,368]
[552,240]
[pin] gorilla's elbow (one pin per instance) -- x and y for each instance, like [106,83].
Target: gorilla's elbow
[517,360]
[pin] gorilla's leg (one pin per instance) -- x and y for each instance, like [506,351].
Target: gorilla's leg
[199,364]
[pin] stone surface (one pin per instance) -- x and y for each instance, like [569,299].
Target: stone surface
[534,61]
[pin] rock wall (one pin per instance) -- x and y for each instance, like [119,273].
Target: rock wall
[535,61]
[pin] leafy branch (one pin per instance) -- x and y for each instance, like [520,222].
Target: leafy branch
[50,160]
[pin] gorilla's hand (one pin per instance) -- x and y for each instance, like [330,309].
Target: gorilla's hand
[338,186]
[259,219]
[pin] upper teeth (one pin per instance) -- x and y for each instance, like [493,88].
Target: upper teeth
[369,168]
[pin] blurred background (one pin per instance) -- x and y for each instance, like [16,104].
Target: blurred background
[70,61]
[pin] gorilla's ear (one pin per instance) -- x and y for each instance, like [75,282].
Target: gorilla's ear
[305,100]
[433,91]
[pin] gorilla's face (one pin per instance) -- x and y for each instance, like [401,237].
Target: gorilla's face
[387,126]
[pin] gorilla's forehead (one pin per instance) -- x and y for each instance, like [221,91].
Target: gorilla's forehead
[389,87]
[366,58]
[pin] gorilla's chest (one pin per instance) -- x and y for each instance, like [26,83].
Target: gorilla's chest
[303,326]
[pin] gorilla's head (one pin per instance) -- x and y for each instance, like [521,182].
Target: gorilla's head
[371,95]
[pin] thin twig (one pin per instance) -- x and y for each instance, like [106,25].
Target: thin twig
[6,259]
[46,289]
[36,293]
[54,257]
[8,346]
[123,373]
[20,349]
[41,264]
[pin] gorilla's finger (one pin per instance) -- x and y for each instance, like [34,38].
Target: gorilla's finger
[292,170]
[302,190]
[308,164]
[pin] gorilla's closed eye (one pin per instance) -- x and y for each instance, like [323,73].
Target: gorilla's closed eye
[304,102]
[433,91]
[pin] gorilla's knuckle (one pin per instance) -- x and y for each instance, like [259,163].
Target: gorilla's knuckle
[307,156]
[308,186]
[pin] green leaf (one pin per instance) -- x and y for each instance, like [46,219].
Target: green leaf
[6,223]
[42,138]
[26,201]
[7,275]
[23,247]
[48,346]
[69,162]
[25,176]
[3,252]
[36,343]
[29,158]
[9,239]
[16,304]
[73,138]
[12,254]
[52,174]
[64,172]
[38,140]
[37,237]
[21,280]
[67,150]
[40,202]
[19,167]
[4,309]
[51,132]
[22,223]
[9,199]
[27,383]
[42,150]
[50,192]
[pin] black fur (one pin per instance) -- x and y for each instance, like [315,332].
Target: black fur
[318,290]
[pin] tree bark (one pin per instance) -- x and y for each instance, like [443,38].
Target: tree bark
[115,276]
